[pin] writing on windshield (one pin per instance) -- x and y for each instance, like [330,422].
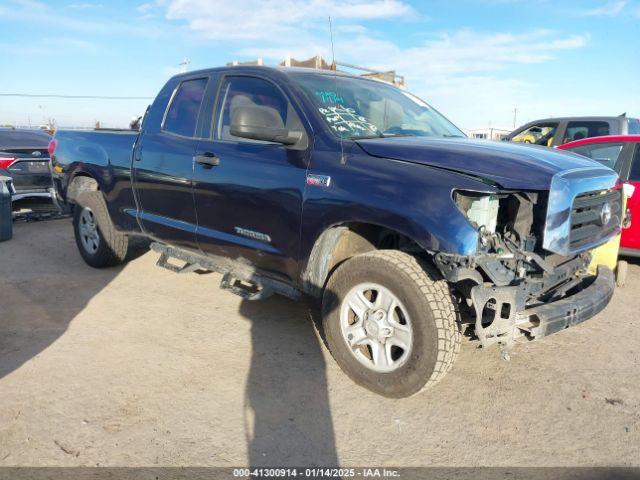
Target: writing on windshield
[354,107]
[344,120]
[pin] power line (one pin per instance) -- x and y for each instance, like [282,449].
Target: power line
[98,97]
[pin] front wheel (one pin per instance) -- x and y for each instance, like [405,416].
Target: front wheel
[390,322]
[99,243]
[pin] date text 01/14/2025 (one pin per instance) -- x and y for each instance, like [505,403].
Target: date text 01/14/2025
[316,472]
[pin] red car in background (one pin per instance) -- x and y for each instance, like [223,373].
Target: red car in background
[621,153]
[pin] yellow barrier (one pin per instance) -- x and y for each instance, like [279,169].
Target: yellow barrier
[607,255]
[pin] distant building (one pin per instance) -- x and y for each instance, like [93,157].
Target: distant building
[489,133]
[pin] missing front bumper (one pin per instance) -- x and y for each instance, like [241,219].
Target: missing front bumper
[556,316]
[509,321]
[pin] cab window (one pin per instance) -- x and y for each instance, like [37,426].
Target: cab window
[539,134]
[182,115]
[606,154]
[579,130]
[255,92]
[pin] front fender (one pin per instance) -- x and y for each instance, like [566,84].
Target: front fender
[408,198]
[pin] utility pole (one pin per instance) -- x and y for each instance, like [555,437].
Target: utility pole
[43,111]
[515,115]
[183,64]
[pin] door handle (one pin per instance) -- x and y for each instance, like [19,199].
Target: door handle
[207,160]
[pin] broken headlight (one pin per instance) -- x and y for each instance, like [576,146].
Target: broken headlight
[480,208]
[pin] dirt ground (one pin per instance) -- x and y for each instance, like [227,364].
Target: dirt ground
[137,366]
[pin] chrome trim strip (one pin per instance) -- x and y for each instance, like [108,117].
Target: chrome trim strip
[565,187]
[31,159]
[20,196]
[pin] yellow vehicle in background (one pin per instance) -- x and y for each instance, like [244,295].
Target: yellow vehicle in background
[538,134]
[607,254]
[553,132]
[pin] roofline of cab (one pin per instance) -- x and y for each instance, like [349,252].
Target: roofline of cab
[262,69]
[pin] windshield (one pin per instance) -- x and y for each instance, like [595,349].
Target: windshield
[360,108]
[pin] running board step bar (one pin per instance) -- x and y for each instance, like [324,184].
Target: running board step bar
[163,262]
[248,291]
[241,279]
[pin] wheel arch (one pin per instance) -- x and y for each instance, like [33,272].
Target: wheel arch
[339,242]
[81,181]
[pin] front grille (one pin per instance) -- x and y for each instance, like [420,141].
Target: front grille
[587,226]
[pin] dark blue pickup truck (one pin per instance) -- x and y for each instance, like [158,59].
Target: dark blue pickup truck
[353,191]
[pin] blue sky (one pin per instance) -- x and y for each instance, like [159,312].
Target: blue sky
[475,60]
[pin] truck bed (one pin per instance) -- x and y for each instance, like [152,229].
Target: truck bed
[104,155]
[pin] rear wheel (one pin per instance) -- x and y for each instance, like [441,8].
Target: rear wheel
[390,322]
[100,244]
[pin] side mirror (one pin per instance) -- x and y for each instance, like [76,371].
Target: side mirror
[262,123]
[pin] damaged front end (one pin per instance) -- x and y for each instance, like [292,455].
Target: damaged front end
[528,277]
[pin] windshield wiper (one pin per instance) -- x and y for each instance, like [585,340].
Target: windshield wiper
[389,135]
[365,137]
[382,135]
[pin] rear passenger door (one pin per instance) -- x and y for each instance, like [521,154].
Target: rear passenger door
[163,168]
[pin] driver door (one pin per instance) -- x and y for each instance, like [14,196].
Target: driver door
[248,195]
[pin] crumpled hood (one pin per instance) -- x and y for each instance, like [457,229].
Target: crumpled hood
[510,165]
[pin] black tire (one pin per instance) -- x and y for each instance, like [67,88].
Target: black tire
[112,246]
[429,303]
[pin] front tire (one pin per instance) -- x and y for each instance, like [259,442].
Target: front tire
[99,243]
[390,322]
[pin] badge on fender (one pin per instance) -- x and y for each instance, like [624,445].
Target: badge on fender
[318,180]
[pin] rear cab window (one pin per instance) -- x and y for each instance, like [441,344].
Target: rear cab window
[578,130]
[181,117]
